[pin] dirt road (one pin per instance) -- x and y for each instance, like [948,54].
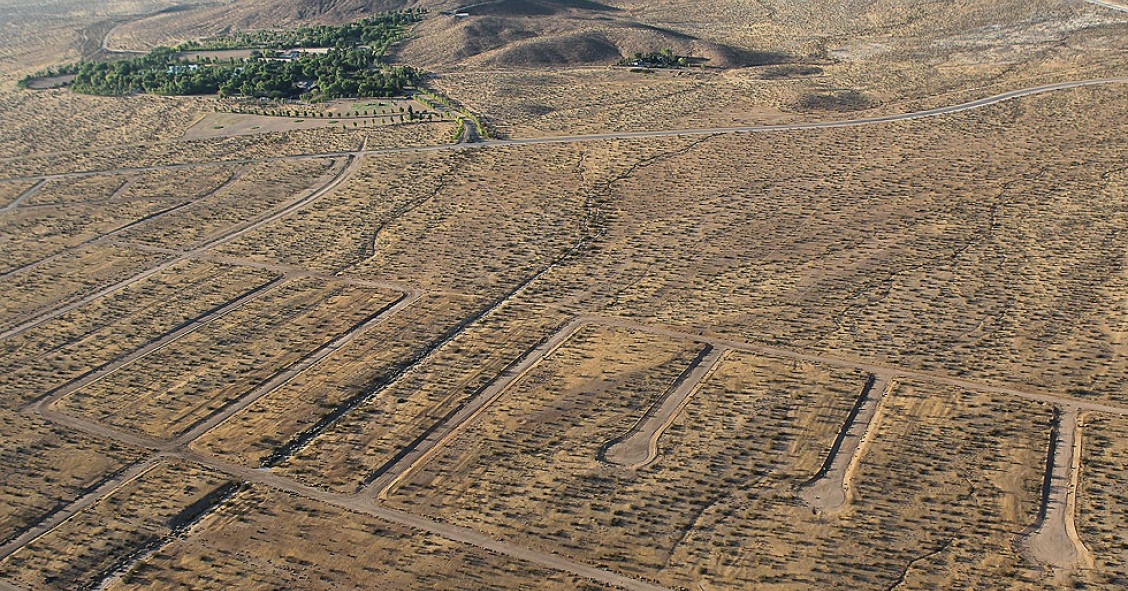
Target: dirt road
[967,106]
[828,491]
[1054,541]
[639,448]
[226,236]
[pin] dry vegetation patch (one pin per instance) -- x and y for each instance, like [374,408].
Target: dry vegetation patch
[476,221]
[89,547]
[1102,519]
[67,279]
[757,427]
[241,195]
[47,356]
[294,413]
[459,364]
[170,390]
[45,467]
[262,540]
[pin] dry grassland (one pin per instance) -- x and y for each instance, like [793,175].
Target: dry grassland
[50,121]
[40,34]
[230,149]
[208,152]
[47,466]
[160,185]
[46,357]
[264,540]
[1102,519]
[364,443]
[297,411]
[90,546]
[171,390]
[247,193]
[476,221]
[939,495]
[532,463]
[77,191]
[988,244]
[892,243]
[45,232]
[10,192]
[536,104]
[67,279]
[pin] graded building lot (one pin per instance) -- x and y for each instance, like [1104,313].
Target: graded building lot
[290,415]
[87,548]
[1102,511]
[44,358]
[263,540]
[170,390]
[534,463]
[46,467]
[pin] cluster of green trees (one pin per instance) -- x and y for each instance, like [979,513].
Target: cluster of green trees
[376,32]
[338,73]
[656,59]
[62,70]
[352,67]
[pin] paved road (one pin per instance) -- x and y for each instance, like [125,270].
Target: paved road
[564,139]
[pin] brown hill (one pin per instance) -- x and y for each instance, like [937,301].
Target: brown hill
[493,33]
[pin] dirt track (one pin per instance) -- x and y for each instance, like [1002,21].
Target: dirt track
[967,106]
[226,236]
[1054,541]
[639,448]
[32,190]
[829,490]
[364,501]
[1111,5]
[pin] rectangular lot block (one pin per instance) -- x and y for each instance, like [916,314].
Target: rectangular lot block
[46,357]
[88,548]
[170,390]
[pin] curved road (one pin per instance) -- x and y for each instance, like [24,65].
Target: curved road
[564,139]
